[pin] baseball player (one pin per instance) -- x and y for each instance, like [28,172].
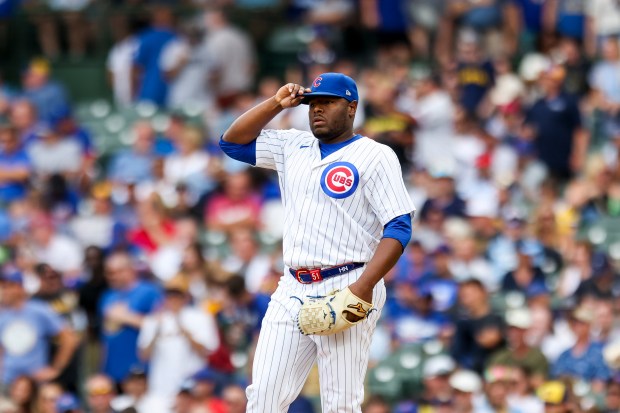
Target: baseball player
[347,219]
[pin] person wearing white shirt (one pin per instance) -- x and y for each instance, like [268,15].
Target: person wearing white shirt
[176,340]
[189,165]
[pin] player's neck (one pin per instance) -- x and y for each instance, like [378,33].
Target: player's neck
[343,137]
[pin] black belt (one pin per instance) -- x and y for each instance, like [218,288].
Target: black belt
[309,276]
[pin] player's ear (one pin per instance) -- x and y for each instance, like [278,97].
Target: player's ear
[352,108]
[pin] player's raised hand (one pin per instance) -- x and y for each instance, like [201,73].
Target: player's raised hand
[290,95]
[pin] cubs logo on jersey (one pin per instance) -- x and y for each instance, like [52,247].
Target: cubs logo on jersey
[339,180]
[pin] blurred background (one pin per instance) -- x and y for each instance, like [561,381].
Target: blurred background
[138,261]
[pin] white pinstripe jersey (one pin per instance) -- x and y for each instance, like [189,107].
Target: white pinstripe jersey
[334,208]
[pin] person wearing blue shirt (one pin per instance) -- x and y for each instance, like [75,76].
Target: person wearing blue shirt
[123,308]
[38,88]
[15,166]
[26,328]
[566,17]
[584,360]
[136,164]
[151,42]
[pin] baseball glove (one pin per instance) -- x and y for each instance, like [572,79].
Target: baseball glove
[326,315]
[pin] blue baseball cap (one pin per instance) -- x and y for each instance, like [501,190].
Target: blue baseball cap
[205,374]
[332,84]
[13,276]
[67,402]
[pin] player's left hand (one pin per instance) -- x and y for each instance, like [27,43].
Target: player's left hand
[331,314]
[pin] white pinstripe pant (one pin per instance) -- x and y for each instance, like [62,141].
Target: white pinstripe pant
[284,356]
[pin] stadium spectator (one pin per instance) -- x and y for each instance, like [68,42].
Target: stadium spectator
[52,153]
[240,315]
[478,331]
[247,260]
[23,392]
[556,396]
[566,17]
[233,57]
[560,139]
[135,165]
[585,359]
[119,65]
[466,385]
[476,75]
[136,394]
[190,165]
[188,66]
[433,112]
[517,351]
[23,116]
[64,303]
[29,326]
[607,86]
[148,76]
[48,396]
[376,404]
[15,166]
[100,392]
[603,22]
[176,340]
[45,94]
[57,250]
[521,397]
[235,207]
[435,375]
[203,392]
[235,399]
[123,308]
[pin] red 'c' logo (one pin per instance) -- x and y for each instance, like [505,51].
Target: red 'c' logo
[317,81]
[339,179]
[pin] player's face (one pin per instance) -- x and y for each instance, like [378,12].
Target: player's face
[331,118]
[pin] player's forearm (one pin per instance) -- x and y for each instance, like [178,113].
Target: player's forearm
[388,252]
[249,125]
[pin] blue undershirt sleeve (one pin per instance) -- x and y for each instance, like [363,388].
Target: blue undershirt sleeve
[244,153]
[399,228]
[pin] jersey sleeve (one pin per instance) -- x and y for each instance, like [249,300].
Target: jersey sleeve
[385,189]
[270,148]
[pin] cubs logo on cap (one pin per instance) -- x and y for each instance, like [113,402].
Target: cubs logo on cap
[339,180]
[332,84]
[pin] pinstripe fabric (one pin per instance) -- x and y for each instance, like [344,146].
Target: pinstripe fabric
[322,231]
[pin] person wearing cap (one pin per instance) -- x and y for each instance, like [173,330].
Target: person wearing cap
[68,403]
[176,340]
[99,393]
[15,166]
[466,385]
[28,326]
[339,209]
[203,390]
[517,351]
[584,360]
[44,93]
[555,395]
[496,387]
[437,392]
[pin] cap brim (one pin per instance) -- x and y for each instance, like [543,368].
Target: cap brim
[309,95]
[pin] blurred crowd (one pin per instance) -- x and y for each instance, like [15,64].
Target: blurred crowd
[136,280]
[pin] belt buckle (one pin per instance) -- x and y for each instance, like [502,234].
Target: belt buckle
[315,275]
[298,274]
